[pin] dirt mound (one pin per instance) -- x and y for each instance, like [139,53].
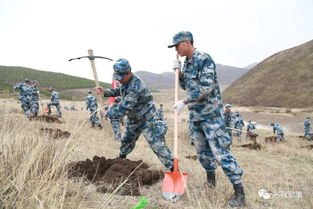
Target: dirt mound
[109,174]
[308,146]
[270,139]
[56,133]
[48,119]
[194,157]
[254,146]
[302,137]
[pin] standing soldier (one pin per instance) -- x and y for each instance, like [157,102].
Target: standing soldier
[279,132]
[211,139]
[35,98]
[228,116]
[91,104]
[160,113]
[251,131]
[137,104]
[307,129]
[115,123]
[25,95]
[54,101]
[239,124]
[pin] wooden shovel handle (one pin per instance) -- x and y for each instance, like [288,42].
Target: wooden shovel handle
[175,112]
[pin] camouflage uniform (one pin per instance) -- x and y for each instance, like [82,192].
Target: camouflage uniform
[35,100]
[229,122]
[239,124]
[55,101]
[210,136]
[307,129]
[91,104]
[137,104]
[160,114]
[279,132]
[25,95]
[115,123]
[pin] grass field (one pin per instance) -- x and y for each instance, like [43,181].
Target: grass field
[32,171]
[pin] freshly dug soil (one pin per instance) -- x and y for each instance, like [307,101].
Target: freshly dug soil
[109,174]
[56,133]
[48,119]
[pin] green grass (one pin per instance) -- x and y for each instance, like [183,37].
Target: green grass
[10,75]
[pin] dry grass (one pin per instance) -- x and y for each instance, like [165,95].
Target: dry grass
[32,171]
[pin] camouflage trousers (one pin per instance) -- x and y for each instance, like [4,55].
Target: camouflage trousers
[94,118]
[115,123]
[153,130]
[308,134]
[212,141]
[238,133]
[34,108]
[57,105]
[279,137]
[25,103]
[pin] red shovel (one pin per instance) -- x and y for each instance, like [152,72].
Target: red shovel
[174,183]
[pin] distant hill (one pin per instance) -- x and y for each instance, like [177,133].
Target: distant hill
[9,76]
[225,75]
[285,79]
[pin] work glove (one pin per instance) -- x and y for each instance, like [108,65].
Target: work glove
[176,65]
[179,106]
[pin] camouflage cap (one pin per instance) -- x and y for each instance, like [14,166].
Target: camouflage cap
[89,91]
[272,124]
[121,68]
[34,82]
[51,88]
[228,106]
[180,37]
[27,80]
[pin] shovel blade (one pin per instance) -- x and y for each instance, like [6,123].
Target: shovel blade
[174,185]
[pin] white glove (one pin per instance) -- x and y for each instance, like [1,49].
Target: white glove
[38,92]
[179,106]
[176,65]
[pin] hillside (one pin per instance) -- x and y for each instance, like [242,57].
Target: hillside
[9,76]
[285,79]
[225,75]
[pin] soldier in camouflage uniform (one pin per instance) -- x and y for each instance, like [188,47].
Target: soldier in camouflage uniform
[251,131]
[25,95]
[35,98]
[115,123]
[228,116]
[137,104]
[307,129]
[239,124]
[210,136]
[160,113]
[279,132]
[54,101]
[91,104]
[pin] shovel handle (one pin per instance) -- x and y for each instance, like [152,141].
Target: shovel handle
[93,66]
[175,113]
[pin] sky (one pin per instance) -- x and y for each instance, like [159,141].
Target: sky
[44,34]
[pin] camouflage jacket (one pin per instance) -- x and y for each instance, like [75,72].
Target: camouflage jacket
[203,93]
[91,103]
[137,101]
[24,89]
[55,97]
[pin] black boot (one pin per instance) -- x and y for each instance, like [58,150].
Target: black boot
[100,126]
[211,180]
[122,156]
[239,199]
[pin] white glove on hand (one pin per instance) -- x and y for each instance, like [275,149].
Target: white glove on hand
[179,106]
[176,65]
